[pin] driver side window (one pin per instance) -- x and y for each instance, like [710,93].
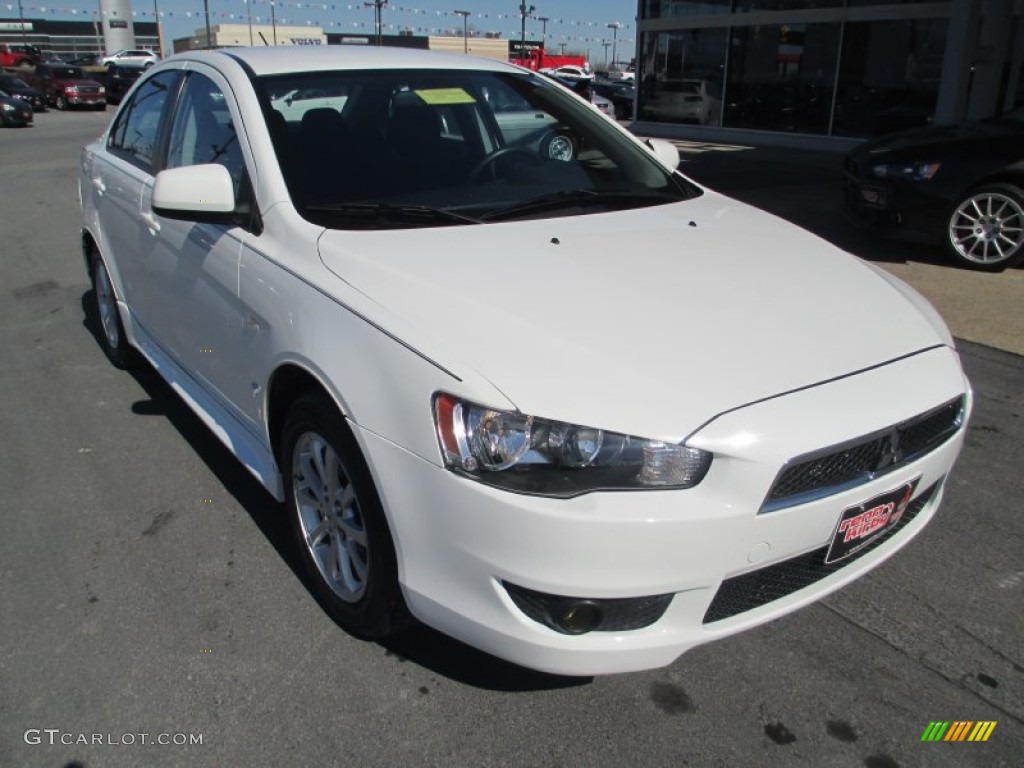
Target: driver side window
[204,132]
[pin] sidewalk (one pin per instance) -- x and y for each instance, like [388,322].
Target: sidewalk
[805,187]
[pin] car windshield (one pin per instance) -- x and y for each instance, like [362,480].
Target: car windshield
[405,148]
[14,82]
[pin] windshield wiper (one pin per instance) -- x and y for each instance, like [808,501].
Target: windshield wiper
[396,212]
[576,197]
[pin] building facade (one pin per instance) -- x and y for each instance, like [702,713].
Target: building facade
[834,69]
[70,39]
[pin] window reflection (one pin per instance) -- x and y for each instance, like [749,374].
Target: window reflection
[781,77]
[889,78]
[683,76]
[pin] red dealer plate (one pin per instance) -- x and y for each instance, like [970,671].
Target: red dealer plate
[862,524]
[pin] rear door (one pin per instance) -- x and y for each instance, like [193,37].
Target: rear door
[117,178]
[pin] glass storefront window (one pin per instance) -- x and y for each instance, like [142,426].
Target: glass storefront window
[667,9]
[781,77]
[788,5]
[683,72]
[889,76]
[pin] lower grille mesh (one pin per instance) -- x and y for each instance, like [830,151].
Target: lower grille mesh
[752,590]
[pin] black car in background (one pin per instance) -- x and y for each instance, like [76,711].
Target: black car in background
[14,112]
[961,184]
[118,79]
[621,93]
[17,88]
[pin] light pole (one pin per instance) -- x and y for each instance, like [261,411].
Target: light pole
[605,43]
[273,20]
[206,9]
[562,48]
[378,20]
[524,11]
[465,29]
[156,18]
[543,32]
[21,16]
[614,27]
[248,15]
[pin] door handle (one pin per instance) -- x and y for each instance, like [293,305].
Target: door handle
[151,223]
[100,186]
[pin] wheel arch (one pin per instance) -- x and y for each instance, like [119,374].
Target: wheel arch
[288,382]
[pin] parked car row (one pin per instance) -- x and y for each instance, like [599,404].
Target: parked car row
[66,86]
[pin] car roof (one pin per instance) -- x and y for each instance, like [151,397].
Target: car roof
[271,60]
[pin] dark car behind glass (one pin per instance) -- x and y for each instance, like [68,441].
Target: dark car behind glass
[962,185]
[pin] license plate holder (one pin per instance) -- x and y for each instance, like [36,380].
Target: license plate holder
[863,523]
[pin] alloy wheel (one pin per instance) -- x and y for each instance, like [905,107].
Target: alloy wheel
[330,516]
[987,228]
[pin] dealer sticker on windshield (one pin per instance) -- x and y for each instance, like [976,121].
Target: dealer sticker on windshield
[862,524]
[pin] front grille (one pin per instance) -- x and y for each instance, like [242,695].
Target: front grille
[89,89]
[815,476]
[752,590]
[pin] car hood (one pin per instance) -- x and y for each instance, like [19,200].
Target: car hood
[76,82]
[647,322]
[940,135]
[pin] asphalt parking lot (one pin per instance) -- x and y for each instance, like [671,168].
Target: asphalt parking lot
[148,587]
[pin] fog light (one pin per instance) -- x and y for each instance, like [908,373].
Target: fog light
[579,617]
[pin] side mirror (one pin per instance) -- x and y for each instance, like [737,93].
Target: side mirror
[195,193]
[665,152]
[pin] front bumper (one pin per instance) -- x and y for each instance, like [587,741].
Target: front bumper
[458,541]
[906,207]
[85,100]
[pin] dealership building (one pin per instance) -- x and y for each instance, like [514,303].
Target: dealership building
[70,39]
[819,71]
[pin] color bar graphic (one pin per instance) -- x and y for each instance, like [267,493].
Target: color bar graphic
[958,730]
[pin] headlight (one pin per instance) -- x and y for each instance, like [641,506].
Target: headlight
[7,107]
[71,89]
[102,89]
[551,458]
[920,171]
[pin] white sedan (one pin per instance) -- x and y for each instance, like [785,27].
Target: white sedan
[130,58]
[570,408]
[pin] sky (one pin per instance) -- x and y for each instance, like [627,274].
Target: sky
[581,24]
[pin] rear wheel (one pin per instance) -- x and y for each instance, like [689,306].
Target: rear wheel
[338,522]
[112,336]
[986,229]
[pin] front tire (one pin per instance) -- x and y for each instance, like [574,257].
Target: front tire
[60,103]
[338,522]
[986,229]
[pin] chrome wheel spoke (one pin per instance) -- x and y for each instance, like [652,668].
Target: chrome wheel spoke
[353,532]
[317,534]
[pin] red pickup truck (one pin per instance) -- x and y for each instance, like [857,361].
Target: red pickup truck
[65,86]
[23,56]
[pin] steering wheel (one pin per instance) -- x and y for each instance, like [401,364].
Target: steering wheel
[487,162]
